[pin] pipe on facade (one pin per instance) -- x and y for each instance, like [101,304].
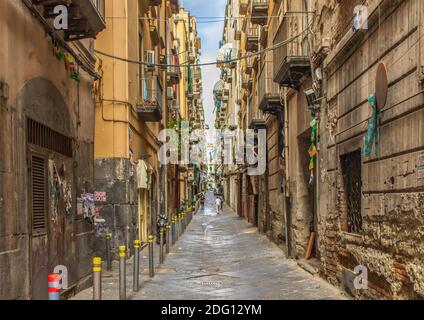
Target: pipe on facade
[287,188]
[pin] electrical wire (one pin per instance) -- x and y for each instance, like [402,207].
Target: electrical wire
[271,48]
[214,18]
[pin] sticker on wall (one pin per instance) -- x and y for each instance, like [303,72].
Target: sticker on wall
[100,196]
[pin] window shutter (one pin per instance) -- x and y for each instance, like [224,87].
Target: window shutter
[38,175]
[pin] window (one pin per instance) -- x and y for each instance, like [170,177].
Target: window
[352,190]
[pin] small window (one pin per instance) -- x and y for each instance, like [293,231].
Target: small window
[352,187]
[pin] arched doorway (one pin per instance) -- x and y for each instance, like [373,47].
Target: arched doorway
[50,180]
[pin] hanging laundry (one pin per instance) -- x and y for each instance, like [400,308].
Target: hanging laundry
[75,76]
[313,150]
[69,62]
[373,131]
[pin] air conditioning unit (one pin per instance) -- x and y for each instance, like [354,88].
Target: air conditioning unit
[170,93]
[149,58]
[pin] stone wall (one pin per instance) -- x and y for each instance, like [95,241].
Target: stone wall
[390,245]
[116,177]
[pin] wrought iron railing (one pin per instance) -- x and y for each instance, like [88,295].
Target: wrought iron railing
[266,86]
[292,48]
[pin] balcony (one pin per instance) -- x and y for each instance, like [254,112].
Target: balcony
[249,64]
[197,74]
[154,34]
[150,107]
[174,71]
[268,91]
[259,11]
[175,5]
[85,18]
[244,4]
[257,123]
[291,61]
[237,30]
[252,39]
[263,36]
[246,82]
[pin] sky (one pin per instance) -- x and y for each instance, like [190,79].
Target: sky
[210,34]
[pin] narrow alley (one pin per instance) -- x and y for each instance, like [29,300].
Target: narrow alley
[125,124]
[221,256]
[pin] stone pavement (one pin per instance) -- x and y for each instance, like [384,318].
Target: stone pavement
[221,257]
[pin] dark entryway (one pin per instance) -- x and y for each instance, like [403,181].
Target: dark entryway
[307,194]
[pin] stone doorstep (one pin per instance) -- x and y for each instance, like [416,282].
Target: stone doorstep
[311,266]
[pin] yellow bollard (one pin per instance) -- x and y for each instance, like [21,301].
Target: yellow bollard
[97,278]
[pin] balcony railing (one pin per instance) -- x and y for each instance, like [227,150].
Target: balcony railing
[252,39]
[291,61]
[149,108]
[244,4]
[246,82]
[174,71]
[249,64]
[86,18]
[259,11]
[268,90]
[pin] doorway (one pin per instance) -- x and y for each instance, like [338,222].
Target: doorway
[50,203]
[307,196]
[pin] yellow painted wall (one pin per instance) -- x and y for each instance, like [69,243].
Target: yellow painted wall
[120,83]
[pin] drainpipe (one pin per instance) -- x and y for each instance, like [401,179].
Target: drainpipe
[287,178]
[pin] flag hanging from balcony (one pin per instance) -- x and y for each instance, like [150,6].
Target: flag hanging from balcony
[313,151]
[69,61]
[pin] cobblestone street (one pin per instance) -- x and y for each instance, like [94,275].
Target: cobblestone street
[222,257]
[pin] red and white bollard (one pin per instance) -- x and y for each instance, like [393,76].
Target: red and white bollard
[54,286]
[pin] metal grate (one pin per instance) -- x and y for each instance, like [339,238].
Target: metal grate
[40,135]
[38,175]
[351,170]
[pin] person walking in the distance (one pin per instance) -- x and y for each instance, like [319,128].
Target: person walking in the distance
[218,203]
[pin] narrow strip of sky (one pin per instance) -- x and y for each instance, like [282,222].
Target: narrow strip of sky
[210,34]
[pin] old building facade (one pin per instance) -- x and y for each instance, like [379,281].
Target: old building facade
[135,102]
[47,145]
[333,197]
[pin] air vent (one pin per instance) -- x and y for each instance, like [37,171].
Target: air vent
[38,177]
[42,136]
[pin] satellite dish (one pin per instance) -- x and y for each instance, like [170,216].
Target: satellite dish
[381,86]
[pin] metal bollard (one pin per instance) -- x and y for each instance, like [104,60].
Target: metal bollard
[136,283]
[167,238]
[174,229]
[161,248]
[97,278]
[108,254]
[122,273]
[54,286]
[151,261]
[177,229]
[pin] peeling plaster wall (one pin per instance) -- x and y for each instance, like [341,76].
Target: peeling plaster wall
[391,244]
[39,86]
